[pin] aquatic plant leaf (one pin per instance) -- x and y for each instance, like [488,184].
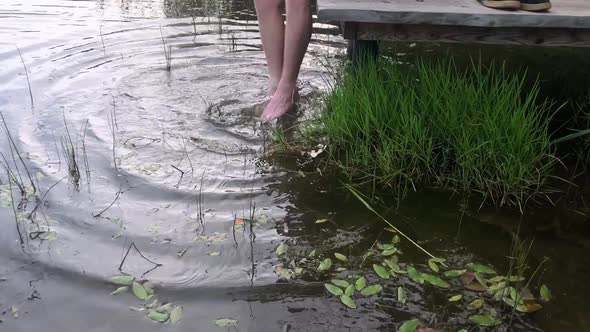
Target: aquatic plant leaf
[392,265]
[154,304]
[326,264]
[214,253]
[166,308]
[335,290]
[395,239]
[385,246]
[485,320]
[456,298]
[360,284]
[462,330]
[480,268]
[371,290]
[516,278]
[321,221]
[493,289]
[298,270]
[161,317]
[120,290]
[349,291]
[139,291]
[149,287]
[176,314]
[226,322]
[388,252]
[409,326]
[438,260]
[312,253]
[434,280]
[340,257]
[381,271]
[433,266]
[415,275]
[401,295]
[529,307]
[281,249]
[340,283]
[347,301]
[124,280]
[496,279]
[475,304]
[545,293]
[340,269]
[454,273]
[481,279]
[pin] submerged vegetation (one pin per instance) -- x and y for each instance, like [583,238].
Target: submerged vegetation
[479,130]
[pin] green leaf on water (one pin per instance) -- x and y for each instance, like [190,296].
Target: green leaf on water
[340,283]
[281,249]
[434,280]
[321,221]
[497,287]
[335,290]
[214,253]
[415,275]
[360,284]
[388,252]
[462,330]
[392,265]
[326,264]
[433,266]
[454,273]
[226,322]
[139,291]
[124,280]
[545,293]
[456,298]
[340,257]
[120,290]
[340,269]
[371,290]
[176,314]
[149,287]
[475,304]
[516,278]
[496,279]
[480,268]
[409,326]
[154,304]
[347,301]
[349,291]
[401,295]
[485,320]
[158,316]
[381,271]
[298,270]
[395,239]
[312,253]
[386,246]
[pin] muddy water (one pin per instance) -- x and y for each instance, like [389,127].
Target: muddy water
[168,160]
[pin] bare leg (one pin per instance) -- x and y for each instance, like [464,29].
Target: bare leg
[272,33]
[297,37]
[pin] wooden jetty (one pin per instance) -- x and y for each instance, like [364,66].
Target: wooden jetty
[458,21]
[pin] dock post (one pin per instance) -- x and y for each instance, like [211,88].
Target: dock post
[358,50]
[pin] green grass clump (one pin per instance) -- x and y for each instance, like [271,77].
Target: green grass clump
[477,130]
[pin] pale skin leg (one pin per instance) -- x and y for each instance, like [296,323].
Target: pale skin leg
[295,41]
[272,33]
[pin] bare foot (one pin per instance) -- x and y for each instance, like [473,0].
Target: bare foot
[280,104]
[270,91]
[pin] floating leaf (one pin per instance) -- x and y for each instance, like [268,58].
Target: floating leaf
[347,301]
[340,257]
[152,305]
[481,279]
[340,283]
[299,270]
[158,316]
[454,273]
[462,330]
[545,293]
[386,246]
[326,264]
[166,308]
[14,311]
[381,271]
[349,291]
[226,322]
[434,280]
[120,290]
[360,284]
[438,260]
[371,290]
[476,304]
[493,289]
[480,268]
[124,280]
[214,253]
[485,320]
[516,279]
[456,298]
[340,269]
[176,314]
[433,266]
[334,289]
[392,265]
[139,291]
[388,252]
[496,279]
[312,253]
[281,249]
[48,236]
[401,295]
[321,221]
[409,326]
[149,287]
[415,275]
[529,307]
[395,239]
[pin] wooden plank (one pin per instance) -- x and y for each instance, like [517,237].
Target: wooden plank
[479,35]
[564,14]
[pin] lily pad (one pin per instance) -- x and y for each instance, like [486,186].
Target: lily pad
[454,273]
[434,280]
[281,249]
[371,290]
[334,289]
[485,320]
[360,284]
[124,280]
[545,293]
[340,257]
[176,314]
[409,326]
[120,290]
[157,316]
[475,304]
[456,298]
[401,295]
[326,264]
[415,275]
[480,268]
[381,271]
[139,291]
[347,301]
[226,322]
[349,291]
[340,283]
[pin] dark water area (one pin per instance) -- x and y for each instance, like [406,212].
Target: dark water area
[169,160]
